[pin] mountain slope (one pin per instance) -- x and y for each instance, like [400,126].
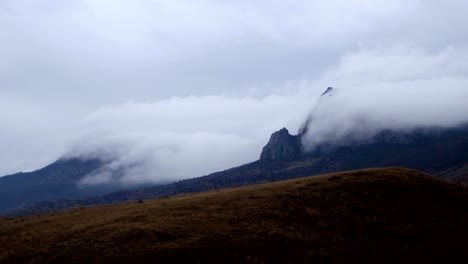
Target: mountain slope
[58,180]
[369,216]
[281,145]
[438,151]
[458,174]
[431,153]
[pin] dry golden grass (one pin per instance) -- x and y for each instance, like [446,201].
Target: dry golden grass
[369,216]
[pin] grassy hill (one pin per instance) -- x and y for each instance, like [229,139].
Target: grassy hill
[369,216]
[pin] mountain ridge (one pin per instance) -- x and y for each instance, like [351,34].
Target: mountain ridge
[391,215]
[435,150]
[58,180]
[282,145]
[429,154]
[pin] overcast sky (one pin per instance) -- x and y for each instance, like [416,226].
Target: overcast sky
[195,86]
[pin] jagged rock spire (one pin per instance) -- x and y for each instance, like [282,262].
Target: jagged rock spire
[281,145]
[305,126]
[328,91]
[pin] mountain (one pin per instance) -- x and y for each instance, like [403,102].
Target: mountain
[328,91]
[457,174]
[369,216]
[281,145]
[431,151]
[442,152]
[55,181]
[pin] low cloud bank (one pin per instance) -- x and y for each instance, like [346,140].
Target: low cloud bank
[394,63]
[400,88]
[183,137]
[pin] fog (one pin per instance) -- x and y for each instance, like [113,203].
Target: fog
[191,136]
[399,89]
[167,90]
[181,137]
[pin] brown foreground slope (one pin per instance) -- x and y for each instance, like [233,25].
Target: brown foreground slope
[369,216]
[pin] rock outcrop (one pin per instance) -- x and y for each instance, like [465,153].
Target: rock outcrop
[305,126]
[328,91]
[281,145]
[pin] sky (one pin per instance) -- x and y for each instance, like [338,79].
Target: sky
[181,88]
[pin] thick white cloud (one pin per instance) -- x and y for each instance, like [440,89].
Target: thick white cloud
[183,137]
[205,82]
[397,88]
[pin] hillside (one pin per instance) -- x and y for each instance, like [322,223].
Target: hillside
[430,153]
[369,216]
[442,152]
[458,174]
[59,180]
[55,181]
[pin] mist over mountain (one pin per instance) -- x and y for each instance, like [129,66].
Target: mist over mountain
[100,164]
[157,142]
[218,115]
[357,121]
[91,77]
[331,138]
[119,102]
[55,181]
[207,140]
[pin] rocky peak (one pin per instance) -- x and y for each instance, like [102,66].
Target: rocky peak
[305,126]
[328,91]
[281,145]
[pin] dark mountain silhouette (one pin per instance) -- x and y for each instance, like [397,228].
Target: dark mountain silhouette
[328,91]
[55,181]
[281,145]
[442,152]
[431,151]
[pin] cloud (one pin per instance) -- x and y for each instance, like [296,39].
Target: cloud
[31,135]
[103,52]
[182,137]
[162,82]
[397,88]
